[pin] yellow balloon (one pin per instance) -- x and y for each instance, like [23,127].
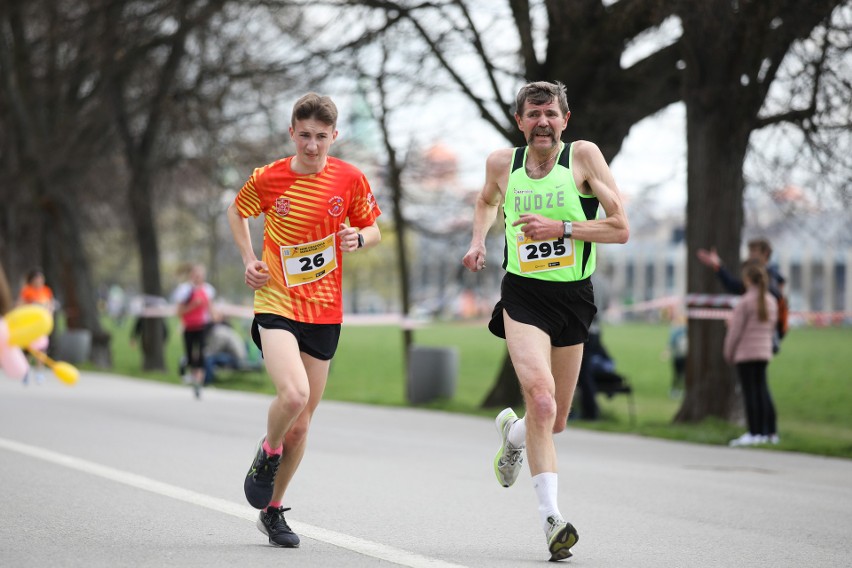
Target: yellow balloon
[28,323]
[66,372]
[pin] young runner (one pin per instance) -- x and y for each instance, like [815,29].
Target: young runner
[306,200]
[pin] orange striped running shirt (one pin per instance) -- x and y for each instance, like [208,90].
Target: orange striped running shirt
[302,214]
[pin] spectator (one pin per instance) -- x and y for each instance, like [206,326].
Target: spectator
[760,251]
[596,359]
[748,345]
[195,314]
[137,335]
[35,291]
[224,347]
[677,349]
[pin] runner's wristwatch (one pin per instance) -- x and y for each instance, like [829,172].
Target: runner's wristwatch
[360,240]
[566,229]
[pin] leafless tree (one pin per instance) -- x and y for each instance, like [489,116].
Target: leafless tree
[53,130]
[732,53]
[722,65]
[149,83]
[486,50]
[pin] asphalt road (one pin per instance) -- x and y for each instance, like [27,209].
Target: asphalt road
[122,472]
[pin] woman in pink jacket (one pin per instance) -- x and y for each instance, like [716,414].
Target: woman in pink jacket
[748,345]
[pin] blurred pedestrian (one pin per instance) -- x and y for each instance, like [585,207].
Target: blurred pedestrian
[298,306]
[224,348]
[596,360]
[36,291]
[748,345]
[550,193]
[678,349]
[759,250]
[196,315]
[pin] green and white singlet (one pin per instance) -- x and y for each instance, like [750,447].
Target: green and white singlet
[554,196]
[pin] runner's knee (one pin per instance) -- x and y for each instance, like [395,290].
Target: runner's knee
[293,400]
[541,405]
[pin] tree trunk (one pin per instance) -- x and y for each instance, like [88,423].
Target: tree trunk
[395,178]
[394,175]
[714,219]
[81,303]
[506,390]
[149,253]
[717,133]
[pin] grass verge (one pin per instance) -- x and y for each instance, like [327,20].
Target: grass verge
[810,379]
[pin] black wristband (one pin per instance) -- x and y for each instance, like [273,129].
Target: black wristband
[360,240]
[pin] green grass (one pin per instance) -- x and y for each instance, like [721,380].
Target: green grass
[810,379]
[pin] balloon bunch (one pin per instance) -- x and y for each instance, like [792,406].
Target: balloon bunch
[27,327]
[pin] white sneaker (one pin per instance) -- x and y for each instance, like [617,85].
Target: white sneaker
[509,459]
[745,440]
[774,439]
[561,536]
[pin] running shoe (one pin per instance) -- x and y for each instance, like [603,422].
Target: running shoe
[271,522]
[509,459]
[561,536]
[261,477]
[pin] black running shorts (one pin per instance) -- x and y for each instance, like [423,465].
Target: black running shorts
[563,310]
[319,340]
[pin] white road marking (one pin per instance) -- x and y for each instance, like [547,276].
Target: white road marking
[355,544]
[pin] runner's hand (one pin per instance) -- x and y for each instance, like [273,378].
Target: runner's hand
[474,260]
[348,237]
[539,228]
[257,274]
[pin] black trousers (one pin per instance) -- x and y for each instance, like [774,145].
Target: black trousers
[760,411]
[193,342]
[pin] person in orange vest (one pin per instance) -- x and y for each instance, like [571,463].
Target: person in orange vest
[36,291]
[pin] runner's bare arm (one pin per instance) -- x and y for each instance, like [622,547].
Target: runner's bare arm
[591,167]
[257,273]
[372,235]
[487,203]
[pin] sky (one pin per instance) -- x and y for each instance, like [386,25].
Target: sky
[651,164]
[652,161]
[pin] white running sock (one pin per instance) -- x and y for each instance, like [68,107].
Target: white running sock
[545,489]
[518,433]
